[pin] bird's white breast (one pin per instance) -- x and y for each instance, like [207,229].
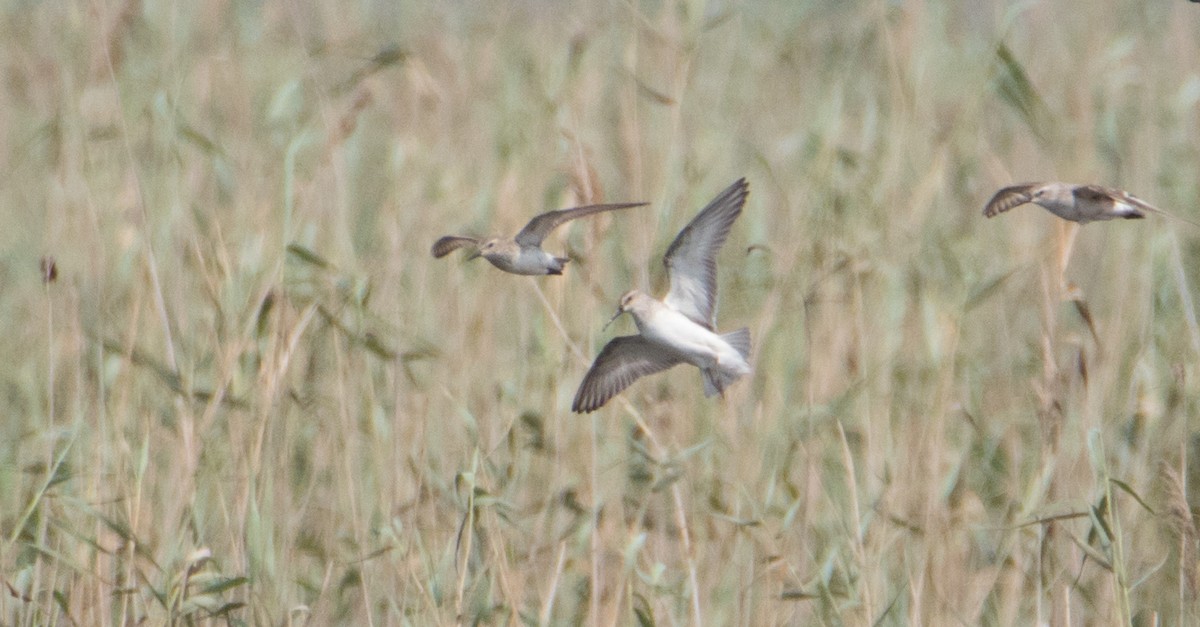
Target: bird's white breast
[527,260]
[670,328]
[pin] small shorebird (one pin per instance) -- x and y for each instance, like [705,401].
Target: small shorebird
[1077,203]
[1074,203]
[522,253]
[681,327]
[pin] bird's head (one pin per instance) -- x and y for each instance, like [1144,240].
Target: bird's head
[485,248]
[1052,195]
[625,305]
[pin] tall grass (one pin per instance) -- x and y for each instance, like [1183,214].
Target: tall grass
[251,396]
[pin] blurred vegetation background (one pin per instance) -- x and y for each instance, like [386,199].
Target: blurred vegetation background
[239,390]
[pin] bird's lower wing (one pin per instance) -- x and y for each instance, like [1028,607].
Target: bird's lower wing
[451,243]
[1008,198]
[624,360]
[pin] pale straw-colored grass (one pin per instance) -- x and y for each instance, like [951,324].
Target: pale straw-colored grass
[251,396]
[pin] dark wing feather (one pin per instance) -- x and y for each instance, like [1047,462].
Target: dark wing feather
[624,360]
[1112,203]
[1009,198]
[539,227]
[1092,191]
[1098,193]
[451,243]
[692,258]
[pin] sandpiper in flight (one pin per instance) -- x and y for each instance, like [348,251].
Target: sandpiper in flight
[1077,203]
[681,327]
[522,253]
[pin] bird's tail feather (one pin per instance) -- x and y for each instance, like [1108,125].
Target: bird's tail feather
[714,382]
[557,266]
[739,340]
[717,379]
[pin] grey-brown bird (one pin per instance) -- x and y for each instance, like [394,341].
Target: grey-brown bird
[1077,203]
[680,328]
[522,253]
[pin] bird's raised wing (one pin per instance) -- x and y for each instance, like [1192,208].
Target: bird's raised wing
[692,258]
[539,227]
[624,360]
[1009,197]
[451,243]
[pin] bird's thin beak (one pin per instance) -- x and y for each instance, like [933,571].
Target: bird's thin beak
[614,317]
[475,254]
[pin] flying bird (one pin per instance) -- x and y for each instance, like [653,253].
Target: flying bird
[522,253]
[680,328]
[1077,203]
